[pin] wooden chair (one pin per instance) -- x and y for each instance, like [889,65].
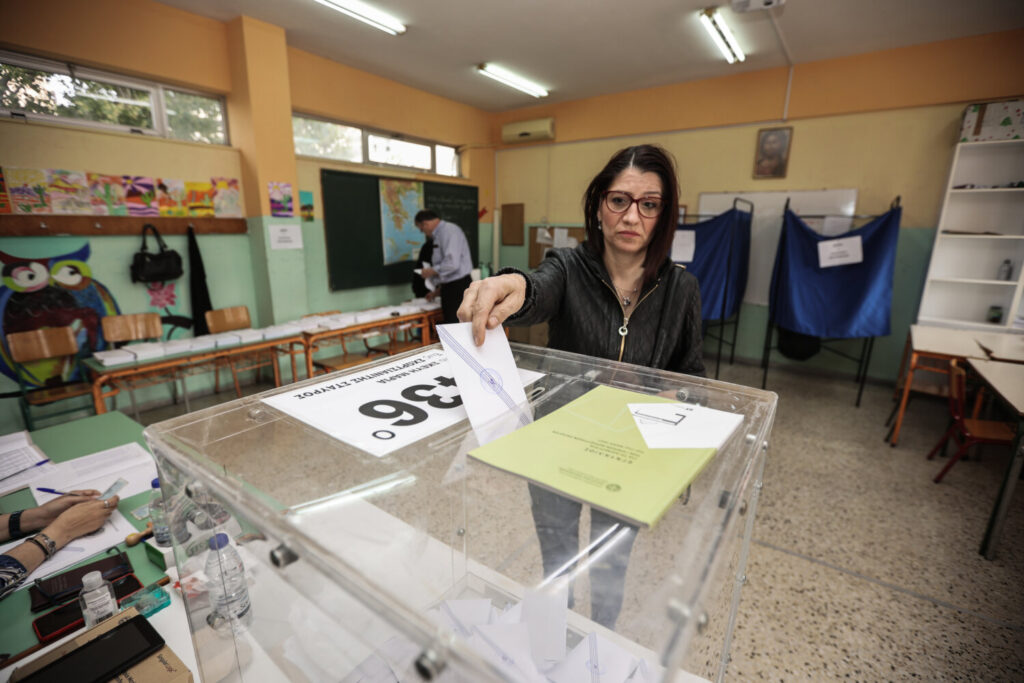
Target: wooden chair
[237,318]
[57,345]
[121,329]
[967,431]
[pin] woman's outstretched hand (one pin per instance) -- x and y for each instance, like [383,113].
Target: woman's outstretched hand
[489,302]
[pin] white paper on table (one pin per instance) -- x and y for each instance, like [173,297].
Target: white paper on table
[545,613]
[683,425]
[594,659]
[462,615]
[26,477]
[146,350]
[99,470]
[508,646]
[561,237]
[683,246]
[202,342]
[361,408]
[488,380]
[114,357]
[111,533]
[840,252]
[17,454]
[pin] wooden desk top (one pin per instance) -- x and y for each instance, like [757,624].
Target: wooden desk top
[945,341]
[1006,379]
[1002,346]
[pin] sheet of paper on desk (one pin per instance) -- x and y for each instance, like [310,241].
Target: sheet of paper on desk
[130,461]
[385,407]
[17,454]
[113,532]
[486,376]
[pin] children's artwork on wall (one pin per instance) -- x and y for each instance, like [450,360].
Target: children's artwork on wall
[140,196]
[5,202]
[52,292]
[170,197]
[280,199]
[306,205]
[199,198]
[27,190]
[227,201]
[69,192]
[107,194]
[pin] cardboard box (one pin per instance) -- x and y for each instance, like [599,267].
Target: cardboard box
[163,666]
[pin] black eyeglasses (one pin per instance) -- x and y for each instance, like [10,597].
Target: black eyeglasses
[619,202]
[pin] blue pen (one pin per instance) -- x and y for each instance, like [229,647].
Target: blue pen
[53,491]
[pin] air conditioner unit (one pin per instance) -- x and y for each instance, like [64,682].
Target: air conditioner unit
[529,131]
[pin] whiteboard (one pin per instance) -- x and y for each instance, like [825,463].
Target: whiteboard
[766,225]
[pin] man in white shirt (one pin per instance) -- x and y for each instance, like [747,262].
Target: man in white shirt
[451,263]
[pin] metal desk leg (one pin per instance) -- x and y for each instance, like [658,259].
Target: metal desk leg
[998,518]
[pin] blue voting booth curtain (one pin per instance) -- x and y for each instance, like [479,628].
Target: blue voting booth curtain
[720,257]
[840,302]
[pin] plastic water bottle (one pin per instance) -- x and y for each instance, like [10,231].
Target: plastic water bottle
[158,515]
[229,594]
[96,599]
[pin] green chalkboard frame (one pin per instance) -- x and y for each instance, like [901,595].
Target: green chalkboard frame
[355,254]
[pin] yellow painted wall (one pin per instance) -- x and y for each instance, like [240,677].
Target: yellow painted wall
[961,70]
[883,154]
[135,37]
[327,89]
[45,146]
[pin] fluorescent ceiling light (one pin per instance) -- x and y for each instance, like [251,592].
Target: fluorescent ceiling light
[366,14]
[719,31]
[511,80]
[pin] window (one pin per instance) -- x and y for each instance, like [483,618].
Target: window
[394,152]
[330,140]
[325,139]
[195,117]
[41,89]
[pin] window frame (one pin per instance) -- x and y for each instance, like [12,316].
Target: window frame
[366,132]
[157,103]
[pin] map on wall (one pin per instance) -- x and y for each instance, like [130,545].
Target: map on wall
[399,202]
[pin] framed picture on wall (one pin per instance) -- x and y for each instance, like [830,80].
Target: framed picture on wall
[772,153]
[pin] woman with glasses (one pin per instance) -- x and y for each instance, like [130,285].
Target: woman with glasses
[616,296]
[54,524]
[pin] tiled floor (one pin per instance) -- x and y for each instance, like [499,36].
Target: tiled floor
[861,567]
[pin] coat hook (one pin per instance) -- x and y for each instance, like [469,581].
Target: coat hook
[43,226]
[97,226]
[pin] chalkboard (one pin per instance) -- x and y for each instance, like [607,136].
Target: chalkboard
[352,229]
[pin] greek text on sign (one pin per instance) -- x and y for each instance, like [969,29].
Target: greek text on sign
[384,407]
[840,252]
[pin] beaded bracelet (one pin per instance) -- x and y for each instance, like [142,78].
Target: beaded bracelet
[45,543]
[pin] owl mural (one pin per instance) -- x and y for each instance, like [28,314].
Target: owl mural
[52,292]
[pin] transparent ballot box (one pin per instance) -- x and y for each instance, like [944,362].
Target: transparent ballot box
[378,545]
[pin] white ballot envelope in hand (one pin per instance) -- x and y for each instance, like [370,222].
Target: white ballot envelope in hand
[488,380]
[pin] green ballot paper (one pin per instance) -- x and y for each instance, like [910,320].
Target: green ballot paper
[593,449]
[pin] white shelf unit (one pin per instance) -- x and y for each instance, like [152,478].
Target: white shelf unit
[982,224]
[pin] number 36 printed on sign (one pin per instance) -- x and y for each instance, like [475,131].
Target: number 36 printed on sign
[408,412]
[382,408]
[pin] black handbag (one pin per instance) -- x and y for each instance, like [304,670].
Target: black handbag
[162,266]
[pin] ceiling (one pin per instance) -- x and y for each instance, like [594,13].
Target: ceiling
[583,48]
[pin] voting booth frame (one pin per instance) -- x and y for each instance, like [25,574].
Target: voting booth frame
[420,560]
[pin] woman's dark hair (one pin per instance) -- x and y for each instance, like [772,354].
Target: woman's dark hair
[646,159]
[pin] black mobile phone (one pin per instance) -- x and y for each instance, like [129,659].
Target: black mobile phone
[68,617]
[104,657]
